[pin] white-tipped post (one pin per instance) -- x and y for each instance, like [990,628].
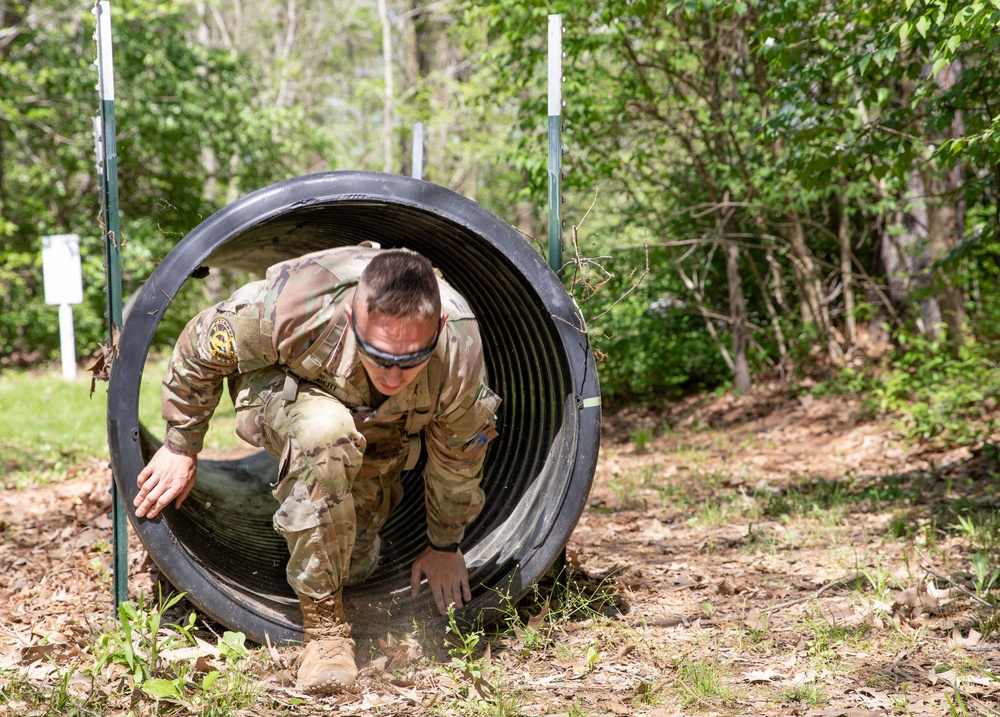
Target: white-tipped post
[555,141]
[417,170]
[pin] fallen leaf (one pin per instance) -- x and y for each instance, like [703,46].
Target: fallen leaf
[758,676]
[535,621]
[955,639]
[756,621]
[617,707]
[915,600]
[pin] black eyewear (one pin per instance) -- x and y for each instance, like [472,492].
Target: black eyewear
[386,360]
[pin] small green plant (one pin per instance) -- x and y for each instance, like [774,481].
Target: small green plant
[822,499]
[986,574]
[672,496]
[487,694]
[809,693]
[901,526]
[702,682]
[141,639]
[989,625]
[881,581]
[981,529]
[713,512]
[956,705]
[830,636]
[641,438]
[593,655]
[462,649]
[140,628]
[63,699]
[626,491]
[938,398]
[901,702]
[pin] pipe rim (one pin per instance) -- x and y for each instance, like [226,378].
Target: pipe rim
[335,188]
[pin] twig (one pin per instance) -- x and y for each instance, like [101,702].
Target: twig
[576,243]
[631,289]
[16,635]
[832,585]
[961,588]
[531,239]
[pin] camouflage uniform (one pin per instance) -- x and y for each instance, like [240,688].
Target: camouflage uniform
[301,393]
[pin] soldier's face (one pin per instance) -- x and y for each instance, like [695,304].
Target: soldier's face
[395,336]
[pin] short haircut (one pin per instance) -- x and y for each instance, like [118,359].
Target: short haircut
[400,283]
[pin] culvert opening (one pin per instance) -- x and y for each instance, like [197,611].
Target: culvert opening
[220,547]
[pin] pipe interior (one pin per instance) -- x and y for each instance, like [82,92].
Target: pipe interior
[225,525]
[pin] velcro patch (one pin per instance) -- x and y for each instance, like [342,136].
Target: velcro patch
[222,341]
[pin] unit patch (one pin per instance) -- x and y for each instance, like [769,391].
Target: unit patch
[222,341]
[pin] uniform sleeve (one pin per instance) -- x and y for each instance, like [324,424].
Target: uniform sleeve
[457,437]
[215,344]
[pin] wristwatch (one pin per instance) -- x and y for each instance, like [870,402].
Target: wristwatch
[453,548]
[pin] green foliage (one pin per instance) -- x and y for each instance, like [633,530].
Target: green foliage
[139,643]
[641,438]
[940,398]
[706,122]
[737,140]
[651,344]
[702,682]
[166,132]
[463,649]
[487,693]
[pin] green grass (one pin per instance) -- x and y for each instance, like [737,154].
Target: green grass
[49,424]
[704,682]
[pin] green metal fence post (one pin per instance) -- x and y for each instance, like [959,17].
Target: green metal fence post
[555,142]
[108,163]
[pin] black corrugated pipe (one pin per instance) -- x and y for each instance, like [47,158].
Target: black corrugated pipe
[220,547]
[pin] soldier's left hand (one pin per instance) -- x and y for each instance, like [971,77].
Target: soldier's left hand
[447,578]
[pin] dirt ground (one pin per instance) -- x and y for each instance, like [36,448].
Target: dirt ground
[850,608]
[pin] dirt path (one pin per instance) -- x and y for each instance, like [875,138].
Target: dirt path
[767,556]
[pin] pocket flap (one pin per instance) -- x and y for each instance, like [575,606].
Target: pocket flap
[298,511]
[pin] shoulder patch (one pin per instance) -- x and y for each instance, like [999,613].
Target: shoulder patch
[222,341]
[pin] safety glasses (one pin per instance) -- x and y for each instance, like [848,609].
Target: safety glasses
[385,360]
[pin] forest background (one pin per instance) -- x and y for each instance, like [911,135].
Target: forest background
[794,191]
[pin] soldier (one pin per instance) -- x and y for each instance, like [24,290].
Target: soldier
[337,362]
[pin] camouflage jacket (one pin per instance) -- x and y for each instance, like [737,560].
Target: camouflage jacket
[294,318]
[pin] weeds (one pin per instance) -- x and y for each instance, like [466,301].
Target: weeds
[486,692]
[702,683]
[939,399]
[880,581]
[140,642]
[641,438]
[981,529]
[808,693]
[830,636]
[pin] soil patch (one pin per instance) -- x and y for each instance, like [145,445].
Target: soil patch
[791,545]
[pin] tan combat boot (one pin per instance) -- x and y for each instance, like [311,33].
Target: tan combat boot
[327,665]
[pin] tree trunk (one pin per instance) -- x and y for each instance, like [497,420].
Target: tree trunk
[846,268]
[930,223]
[11,15]
[699,298]
[943,228]
[389,110]
[907,259]
[946,224]
[812,297]
[738,311]
[785,366]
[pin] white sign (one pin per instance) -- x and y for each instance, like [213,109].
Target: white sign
[61,270]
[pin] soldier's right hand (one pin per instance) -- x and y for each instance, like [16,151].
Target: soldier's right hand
[167,477]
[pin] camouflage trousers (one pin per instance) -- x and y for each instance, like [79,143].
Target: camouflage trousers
[337,484]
